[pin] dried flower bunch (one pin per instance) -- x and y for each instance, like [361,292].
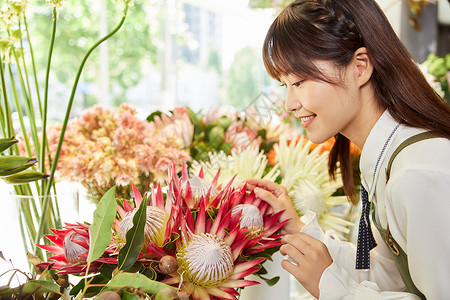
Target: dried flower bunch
[103,148]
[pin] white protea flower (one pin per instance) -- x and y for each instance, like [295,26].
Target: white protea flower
[305,175]
[206,260]
[154,226]
[251,217]
[244,164]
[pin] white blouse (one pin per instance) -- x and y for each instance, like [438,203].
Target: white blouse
[416,205]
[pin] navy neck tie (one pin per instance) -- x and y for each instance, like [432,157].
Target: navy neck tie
[366,241]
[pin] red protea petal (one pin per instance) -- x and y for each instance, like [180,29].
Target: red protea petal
[216,178]
[189,221]
[230,291]
[121,211]
[263,207]
[229,239]
[224,224]
[242,266]
[275,228]
[159,201]
[137,196]
[188,198]
[58,241]
[108,260]
[238,283]
[220,293]
[200,174]
[244,273]
[270,220]
[201,219]
[127,206]
[60,257]
[184,173]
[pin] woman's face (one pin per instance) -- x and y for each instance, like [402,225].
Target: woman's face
[324,108]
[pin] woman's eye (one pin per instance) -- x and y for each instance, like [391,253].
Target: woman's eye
[283,84]
[298,83]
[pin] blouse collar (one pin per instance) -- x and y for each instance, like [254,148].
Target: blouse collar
[373,155]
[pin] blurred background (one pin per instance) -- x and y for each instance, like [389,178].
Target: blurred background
[195,53]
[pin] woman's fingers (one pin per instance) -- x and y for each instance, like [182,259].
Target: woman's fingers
[275,188]
[311,258]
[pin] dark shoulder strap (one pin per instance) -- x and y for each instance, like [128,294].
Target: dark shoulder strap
[411,140]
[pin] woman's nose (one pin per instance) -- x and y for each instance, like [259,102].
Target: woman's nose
[292,103]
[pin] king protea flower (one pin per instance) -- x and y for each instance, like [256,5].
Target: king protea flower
[71,247]
[305,175]
[220,240]
[242,164]
[157,223]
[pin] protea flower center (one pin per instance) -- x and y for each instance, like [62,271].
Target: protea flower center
[200,187]
[251,217]
[206,260]
[72,250]
[154,227]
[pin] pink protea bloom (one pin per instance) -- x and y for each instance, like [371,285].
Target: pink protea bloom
[71,247]
[213,251]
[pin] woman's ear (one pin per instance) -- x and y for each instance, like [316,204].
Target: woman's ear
[363,65]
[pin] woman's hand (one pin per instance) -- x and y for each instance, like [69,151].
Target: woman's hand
[311,258]
[278,198]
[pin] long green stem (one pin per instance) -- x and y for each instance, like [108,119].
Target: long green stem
[33,65]
[7,110]
[66,120]
[44,109]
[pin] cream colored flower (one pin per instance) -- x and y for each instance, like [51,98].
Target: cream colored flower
[245,164]
[305,175]
[55,3]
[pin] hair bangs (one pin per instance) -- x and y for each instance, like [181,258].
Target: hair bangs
[288,48]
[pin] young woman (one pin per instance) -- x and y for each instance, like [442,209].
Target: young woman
[347,75]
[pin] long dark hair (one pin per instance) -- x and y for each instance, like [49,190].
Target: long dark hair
[332,30]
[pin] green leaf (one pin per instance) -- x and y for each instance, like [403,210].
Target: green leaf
[98,279]
[195,121]
[100,230]
[6,143]
[151,117]
[25,176]
[136,280]
[272,281]
[37,286]
[135,238]
[128,296]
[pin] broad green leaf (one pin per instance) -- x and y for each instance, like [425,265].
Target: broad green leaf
[37,286]
[272,281]
[100,230]
[135,238]
[128,296]
[151,117]
[135,280]
[6,143]
[98,279]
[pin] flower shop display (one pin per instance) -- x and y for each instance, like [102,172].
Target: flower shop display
[296,163]
[103,148]
[437,72]
[167,241]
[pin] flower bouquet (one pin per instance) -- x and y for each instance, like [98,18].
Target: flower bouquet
[193,237]
[103,148]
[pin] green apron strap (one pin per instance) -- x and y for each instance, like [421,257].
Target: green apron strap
[399,256]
